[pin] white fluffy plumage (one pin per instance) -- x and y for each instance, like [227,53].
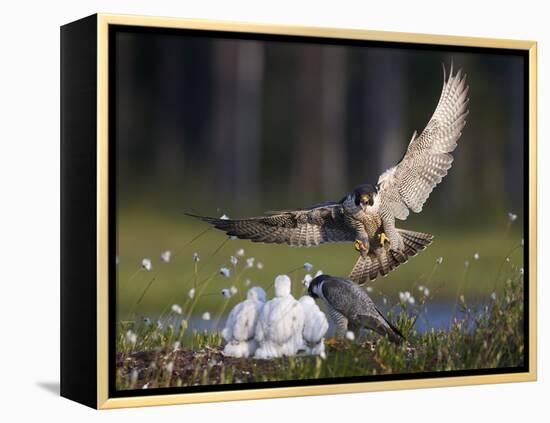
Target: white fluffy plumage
[281,323]
[315,326]
[240,327]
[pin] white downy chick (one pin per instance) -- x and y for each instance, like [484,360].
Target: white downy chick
[240,327]
[280,325]
[315,326]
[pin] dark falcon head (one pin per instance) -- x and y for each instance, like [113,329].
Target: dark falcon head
[314,288]
[364,195]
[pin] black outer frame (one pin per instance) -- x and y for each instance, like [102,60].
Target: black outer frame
[79,114]
[79,211]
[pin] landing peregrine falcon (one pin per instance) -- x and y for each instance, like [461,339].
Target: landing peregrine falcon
[367,215]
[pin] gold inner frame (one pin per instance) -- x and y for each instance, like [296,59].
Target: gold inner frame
[103,22]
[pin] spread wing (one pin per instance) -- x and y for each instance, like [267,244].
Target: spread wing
[427,160]
[302,228]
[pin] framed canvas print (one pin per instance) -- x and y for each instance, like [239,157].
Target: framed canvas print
[255,211]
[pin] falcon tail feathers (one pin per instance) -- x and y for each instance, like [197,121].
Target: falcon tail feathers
[382,261]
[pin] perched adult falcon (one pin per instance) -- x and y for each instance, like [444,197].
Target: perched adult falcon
[350,307]
[367,215]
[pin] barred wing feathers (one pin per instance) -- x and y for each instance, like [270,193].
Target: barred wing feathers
[301,228]
[408,185]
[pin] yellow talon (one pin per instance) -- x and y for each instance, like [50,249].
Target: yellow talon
[359,245]
[383,239]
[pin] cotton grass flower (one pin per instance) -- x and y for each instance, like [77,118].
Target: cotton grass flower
[493,296]
[521,271]
[512,217]
[147,264]
[233,260]
[225,272]
[205,316]
[308,266]
[250,262]
[176,308]
[404,296]
[131,337]
[166,256]
[240,252]
[369,289]
[247,282]
[260,265]
[191,293]
[233,290]
[439,260]
[196,257]
[476,256]
[426,292]
[224,217]
[466,264]
[350,336]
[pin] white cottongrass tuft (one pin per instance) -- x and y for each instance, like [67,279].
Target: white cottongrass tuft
[240,252]
[521,271]
[166,256]
[411,300]
[191,293]
[308,266]
[196,257]
[247,282]
[225,272]
[350,336]
[319,273]
[131,337]
[522,242]
[404,296]
[466,264]
[233,290]
[260,265]
[439,260]
[494,296]
[250,262]
[369,289]
[421,287]
[233,260]
[146,264]
[224,217]
[426,292]
[176,308]
[512,217]
[476,256]
[205,316]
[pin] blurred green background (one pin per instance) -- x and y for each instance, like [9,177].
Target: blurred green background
[216,126]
